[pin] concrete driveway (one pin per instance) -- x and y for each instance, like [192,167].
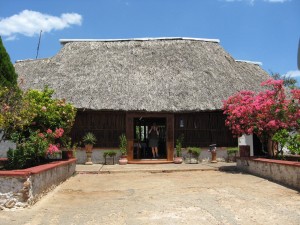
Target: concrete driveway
[190,197]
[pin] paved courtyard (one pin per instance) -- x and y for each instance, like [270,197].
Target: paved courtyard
[186,197]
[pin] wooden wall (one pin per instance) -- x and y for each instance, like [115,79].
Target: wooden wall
[203,129]
[107,127]
[200,129]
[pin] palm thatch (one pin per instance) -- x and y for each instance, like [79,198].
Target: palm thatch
[154,75]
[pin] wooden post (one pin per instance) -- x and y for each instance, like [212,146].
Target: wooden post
[129,135]
[170,137]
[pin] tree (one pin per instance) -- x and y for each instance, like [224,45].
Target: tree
[8,76]
[264,113]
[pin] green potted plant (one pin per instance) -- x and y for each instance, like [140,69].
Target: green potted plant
[68,149]
[89,140]
[111,154]
[123,149]
[231,154]
[178,157]
[194,153]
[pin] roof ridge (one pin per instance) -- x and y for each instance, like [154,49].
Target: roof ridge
[250,62]
[64,41]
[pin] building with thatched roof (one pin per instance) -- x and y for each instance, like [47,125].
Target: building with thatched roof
[123,86]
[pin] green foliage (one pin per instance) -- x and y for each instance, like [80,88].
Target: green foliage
[123,144]
[8,76]
[179,143]
[294,144]
[29,152]
[89,139]
[232,151]
[35,122]
[15,112]
[194,152]
[32,111]
[284,138]
[111,153]
[50,113]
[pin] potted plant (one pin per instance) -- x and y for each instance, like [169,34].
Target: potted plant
[178,157]
[123,149]
[89,140]
[112,154]
[68,149]
[231,154]
[194,153]
[213,150]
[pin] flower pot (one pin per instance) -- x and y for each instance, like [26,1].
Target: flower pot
[123,160]
[178,160]
[67,154]
[213,157]
[88,148]
[89,151]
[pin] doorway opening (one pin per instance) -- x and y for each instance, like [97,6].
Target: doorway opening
[141,148]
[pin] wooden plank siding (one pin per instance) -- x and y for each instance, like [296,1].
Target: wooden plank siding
[200,128]
[107,127]
[204,128]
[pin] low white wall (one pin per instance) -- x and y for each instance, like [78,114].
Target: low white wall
[21,188]
[284,172]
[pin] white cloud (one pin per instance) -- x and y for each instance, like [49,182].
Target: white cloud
[293,73]
[30,23]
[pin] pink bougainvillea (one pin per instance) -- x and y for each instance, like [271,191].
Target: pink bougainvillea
[49,131]
[52,149]
[263,113]
[58,133]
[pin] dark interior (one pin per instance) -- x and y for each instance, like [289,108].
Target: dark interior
[141,141]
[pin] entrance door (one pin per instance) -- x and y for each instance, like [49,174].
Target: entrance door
[141,148]
[137,128]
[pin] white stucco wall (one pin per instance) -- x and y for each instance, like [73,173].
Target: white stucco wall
[247,140]
[20,191]
[279,172]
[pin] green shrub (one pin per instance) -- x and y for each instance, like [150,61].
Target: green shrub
[232,151]
[194,152]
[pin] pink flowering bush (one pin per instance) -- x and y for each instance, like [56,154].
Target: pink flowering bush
[52,149]
[264,113]
[35,149]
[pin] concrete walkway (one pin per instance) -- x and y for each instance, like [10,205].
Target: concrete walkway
[154,168]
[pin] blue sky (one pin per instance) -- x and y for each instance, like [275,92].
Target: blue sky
[267,31]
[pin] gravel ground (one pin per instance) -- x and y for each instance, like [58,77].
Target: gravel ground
[203,197]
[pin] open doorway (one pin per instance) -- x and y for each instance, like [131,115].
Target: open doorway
[141,148]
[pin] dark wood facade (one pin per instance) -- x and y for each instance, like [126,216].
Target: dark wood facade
[199,129]
[202,129]
[107,127]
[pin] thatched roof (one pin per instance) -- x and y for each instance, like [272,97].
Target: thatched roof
[166,74]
